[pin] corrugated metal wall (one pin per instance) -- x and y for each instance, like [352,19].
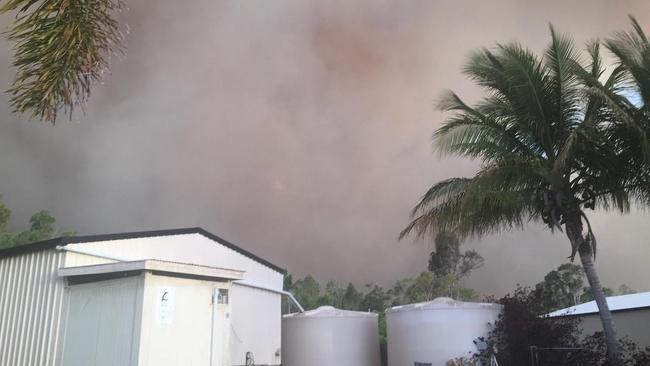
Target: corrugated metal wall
[31,297]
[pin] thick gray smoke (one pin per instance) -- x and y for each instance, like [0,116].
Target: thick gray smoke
[299,130]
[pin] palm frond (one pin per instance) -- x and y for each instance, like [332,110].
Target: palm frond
[442,217]
[62,49]
[583,133]
[632,50]
[596,65]
[561,56]
[639,31]
[530,95]
[624,116]
[441,192]
[482,132]
[498,197]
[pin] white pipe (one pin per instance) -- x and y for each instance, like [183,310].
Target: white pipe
[91,253]
[281,292]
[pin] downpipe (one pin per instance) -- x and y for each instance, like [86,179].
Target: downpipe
[289,295]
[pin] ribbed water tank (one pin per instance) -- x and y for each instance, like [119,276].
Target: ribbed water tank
[432,333]
[330,337]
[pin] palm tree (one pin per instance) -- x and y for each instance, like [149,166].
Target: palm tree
[555,138]
[62,49]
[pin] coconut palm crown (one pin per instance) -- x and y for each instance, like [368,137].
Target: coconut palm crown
[556,136]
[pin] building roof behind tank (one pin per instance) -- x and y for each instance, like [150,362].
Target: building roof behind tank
[63,241]
[442,303]
[616,303]
[330,312]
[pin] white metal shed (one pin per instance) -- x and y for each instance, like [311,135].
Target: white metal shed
[631,315]
[168,297]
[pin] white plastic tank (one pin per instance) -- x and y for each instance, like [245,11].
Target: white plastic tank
[432,333]
[330,337]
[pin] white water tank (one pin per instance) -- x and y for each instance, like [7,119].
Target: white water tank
[330,337]
[432,333]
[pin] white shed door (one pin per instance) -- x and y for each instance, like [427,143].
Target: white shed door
[100,323]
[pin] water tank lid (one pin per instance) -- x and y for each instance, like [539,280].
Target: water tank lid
[443,303]
[331,312]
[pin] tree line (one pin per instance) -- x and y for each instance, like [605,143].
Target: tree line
[447,268]
[42,226]
[566,286]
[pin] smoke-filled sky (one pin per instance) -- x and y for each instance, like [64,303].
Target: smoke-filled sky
[299,130]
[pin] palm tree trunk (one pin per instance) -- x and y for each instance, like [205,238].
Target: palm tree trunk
[574,232]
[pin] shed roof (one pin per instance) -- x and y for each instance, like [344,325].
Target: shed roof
[62,241]
[616,303]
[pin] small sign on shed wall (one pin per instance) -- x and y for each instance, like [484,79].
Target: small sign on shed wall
[165,298]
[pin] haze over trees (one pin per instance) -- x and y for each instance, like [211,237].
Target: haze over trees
[557,135]
[447,266]
[565,287]
[42,226]
[448,262]
[442,280]
[371,297]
